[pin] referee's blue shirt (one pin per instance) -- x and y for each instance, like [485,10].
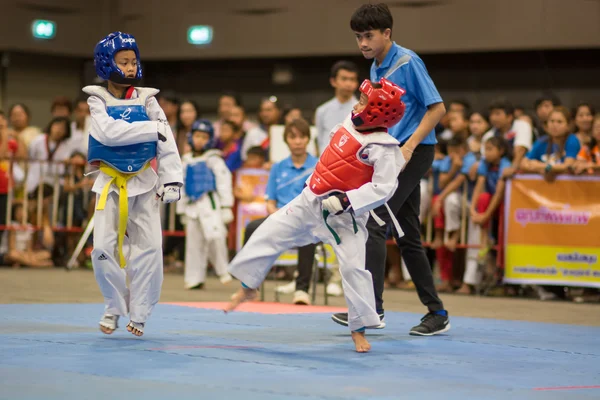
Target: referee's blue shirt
[421,92]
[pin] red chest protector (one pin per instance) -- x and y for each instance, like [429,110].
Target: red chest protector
[343,166]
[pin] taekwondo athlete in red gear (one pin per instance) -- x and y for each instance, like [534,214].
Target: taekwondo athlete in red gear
[205,207]
[128,130]
[356,173]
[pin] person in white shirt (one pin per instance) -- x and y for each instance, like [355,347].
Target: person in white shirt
[47,153]
[344,79]
[517,133]
[80,127]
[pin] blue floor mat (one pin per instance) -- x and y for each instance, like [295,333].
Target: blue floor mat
[57,352]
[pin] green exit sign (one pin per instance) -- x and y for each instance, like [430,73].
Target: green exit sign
[43,29]
[200,34]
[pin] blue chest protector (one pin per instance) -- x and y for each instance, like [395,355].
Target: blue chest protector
[199,179]
[126,159]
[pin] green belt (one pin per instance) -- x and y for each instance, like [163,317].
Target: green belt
[335,235]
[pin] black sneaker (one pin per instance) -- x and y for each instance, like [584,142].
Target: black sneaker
[342,319]
[431,324]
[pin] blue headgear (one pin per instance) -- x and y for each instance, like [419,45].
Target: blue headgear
[202,125]
[104,58]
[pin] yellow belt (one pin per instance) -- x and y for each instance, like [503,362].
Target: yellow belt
[120,180]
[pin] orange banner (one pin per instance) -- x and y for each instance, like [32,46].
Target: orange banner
[552,231]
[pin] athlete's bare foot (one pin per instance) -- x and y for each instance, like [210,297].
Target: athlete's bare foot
[109,323]
[242,295]
[136,328]
[360,342]
[452,241]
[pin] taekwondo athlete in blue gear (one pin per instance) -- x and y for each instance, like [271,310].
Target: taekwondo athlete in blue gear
[205,207]
[128,130]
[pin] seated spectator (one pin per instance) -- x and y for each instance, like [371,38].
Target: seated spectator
[286,181]
[488,193]
[230,143]
[518,134]
[478,126]
[556,153]
[256,157]
[588,159]
[237,115]
[61,107]
[19,117]
[17,245]
[269,115]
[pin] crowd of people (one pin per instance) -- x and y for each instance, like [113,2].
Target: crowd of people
[477,151]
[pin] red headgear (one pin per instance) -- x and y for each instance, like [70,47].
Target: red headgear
[384,107]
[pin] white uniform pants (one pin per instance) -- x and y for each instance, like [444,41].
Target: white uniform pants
[300,223]
[198,251]
[143,252]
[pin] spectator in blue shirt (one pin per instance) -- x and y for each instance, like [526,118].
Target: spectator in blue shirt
[286,181]
[489,189]
[372,26]
[556,153]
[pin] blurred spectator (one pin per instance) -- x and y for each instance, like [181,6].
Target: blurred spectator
[230,143]
[443,131]
[478,126]
[489,190]
[188,113]
[8,148]
[18,245]
[268,115]
[517,133]
[255,158]
[519,112]
[19,117]
[230,107]
[169,102]
[80,125]
[51,150]
[458,123]
[555,153]
[543,107]
[291,114]
[344,79]
[588,159]
[61,107]
[583,117]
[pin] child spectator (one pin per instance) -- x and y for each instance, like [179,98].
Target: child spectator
[588,159]
[230,144]
[489,189]
[205,207]
[18,245]
[478,126]
[518,134]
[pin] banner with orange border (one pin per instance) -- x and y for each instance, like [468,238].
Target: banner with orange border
[552,234]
